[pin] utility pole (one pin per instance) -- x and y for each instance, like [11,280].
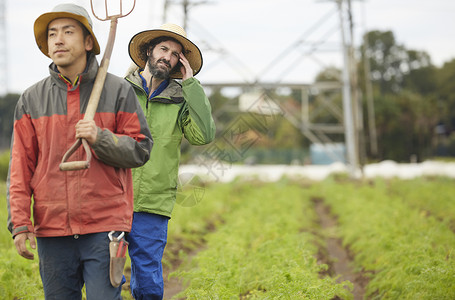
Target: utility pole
[186,5]
[356,106]
[369,93]
[165,7]
[350,140]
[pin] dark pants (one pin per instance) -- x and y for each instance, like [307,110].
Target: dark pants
[67,263]
[147,240]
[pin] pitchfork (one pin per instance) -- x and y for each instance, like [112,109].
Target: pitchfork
[96,91]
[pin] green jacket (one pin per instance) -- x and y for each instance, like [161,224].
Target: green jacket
[181,110]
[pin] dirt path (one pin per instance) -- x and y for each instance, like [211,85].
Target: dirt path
[338,257]
[172,286]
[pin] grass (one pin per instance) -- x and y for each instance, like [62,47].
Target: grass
[19,277]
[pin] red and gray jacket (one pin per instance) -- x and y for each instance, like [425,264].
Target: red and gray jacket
[96,199]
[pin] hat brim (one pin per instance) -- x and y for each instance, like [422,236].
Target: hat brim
[192,52]
[41,24]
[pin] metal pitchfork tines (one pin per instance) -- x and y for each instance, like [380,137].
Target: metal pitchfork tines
[96,91]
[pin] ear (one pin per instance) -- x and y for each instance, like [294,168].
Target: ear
[88,43]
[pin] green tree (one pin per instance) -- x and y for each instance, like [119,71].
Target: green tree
[421,74]
[325,104]
[405,88]
[446,94]
[405,124]
[445,139]
[392,66]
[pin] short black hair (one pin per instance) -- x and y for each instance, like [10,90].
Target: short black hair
[85,31]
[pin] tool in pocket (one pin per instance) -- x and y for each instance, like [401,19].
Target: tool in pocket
[117,253]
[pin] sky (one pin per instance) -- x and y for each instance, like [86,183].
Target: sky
[242,41]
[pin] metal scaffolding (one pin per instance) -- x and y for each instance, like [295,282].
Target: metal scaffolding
[348,116]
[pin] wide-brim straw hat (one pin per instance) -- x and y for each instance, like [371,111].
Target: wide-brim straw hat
[62,11]
[191,51]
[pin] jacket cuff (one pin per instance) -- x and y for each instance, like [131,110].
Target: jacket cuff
[18,230]
[189,81]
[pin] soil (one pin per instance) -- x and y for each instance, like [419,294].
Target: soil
[336,256]
[172,287]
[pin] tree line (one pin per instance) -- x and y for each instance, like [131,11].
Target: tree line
[414,100]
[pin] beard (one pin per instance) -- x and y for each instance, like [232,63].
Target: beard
[158,71]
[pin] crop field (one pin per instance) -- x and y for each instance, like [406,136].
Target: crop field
[296,239]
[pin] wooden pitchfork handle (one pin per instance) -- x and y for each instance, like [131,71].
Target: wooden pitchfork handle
[95,95]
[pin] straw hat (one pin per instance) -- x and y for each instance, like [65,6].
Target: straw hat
[192,52]
[62,11]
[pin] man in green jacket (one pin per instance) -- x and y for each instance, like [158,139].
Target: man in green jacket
[173,109]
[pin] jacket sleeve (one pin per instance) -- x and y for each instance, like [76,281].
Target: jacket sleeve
[23,158]
[196,117]
[130,145]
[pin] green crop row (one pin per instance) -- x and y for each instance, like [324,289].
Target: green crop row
[193,218]
[263,249]
[409,254]
[432,196]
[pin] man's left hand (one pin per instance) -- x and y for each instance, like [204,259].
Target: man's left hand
[86,129]
[186,70]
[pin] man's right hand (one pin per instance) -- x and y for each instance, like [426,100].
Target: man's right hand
[21,247]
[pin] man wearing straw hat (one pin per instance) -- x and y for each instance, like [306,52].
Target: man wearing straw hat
[173,110]
[73,211]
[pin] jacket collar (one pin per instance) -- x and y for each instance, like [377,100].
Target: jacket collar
[173,91]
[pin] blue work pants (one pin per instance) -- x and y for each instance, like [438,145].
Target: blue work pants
[67,263]
[147,240]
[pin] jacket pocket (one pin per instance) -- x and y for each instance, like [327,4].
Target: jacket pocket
[104,181]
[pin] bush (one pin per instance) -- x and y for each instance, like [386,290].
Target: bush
[4,164]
